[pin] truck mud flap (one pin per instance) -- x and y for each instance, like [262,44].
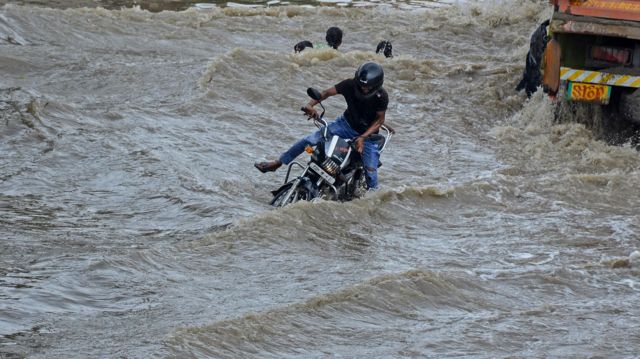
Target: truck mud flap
[551,76]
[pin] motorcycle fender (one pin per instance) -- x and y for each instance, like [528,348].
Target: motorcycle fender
[304,182]
[284,187]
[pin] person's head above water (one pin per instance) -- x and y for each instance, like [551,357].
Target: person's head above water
[334,37]
[302,45]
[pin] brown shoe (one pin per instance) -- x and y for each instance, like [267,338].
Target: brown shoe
[270,166]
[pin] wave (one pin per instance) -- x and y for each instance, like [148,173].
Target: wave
[400,305]
[328,222]
[23,123]
[570,145]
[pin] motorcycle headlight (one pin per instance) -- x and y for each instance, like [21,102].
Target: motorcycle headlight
[330,166]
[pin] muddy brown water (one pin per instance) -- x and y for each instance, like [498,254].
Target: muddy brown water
[133,224]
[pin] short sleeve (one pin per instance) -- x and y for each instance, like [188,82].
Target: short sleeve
[342,86]
[383,102]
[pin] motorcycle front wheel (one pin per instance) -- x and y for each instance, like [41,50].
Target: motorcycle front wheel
[293,192]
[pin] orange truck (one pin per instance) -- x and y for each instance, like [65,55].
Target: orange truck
[594,52]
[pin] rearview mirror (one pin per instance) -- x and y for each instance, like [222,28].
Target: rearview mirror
[314,94]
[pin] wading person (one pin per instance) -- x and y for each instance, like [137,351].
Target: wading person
[531,77]
[385,48]
[333,38]
[367,103]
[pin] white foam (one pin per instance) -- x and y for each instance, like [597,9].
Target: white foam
[522,255]
[205,6]
[630,283]
[237,5]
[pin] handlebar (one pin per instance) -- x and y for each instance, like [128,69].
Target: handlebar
[320,122]
[389,129]
[303,109]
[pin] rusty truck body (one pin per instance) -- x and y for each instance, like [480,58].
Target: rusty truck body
[594,52]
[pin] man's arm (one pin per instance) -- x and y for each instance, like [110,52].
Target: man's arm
[309,110]
[375,126]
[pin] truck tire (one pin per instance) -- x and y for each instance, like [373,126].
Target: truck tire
[629,106]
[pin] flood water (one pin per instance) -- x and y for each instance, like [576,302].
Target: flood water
[133,224]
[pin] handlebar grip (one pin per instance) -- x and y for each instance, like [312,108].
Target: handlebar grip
[316,117]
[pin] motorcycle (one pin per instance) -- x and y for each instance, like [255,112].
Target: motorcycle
[335,170]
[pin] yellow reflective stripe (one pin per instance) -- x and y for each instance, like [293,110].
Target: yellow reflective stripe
[596,77]
[622,80]
[591,76]
[601,79]
[575,75]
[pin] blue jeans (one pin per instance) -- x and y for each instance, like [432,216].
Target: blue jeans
[340,127]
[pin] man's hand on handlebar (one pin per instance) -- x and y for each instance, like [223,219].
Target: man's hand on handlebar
[359,144]
[310,111]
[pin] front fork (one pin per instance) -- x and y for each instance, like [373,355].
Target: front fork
[305,170]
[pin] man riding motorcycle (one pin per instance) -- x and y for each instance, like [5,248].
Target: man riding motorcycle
[367,103]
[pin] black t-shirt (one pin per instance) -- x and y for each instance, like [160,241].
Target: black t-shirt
[360,114]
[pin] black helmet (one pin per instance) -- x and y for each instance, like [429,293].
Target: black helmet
[368,75]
